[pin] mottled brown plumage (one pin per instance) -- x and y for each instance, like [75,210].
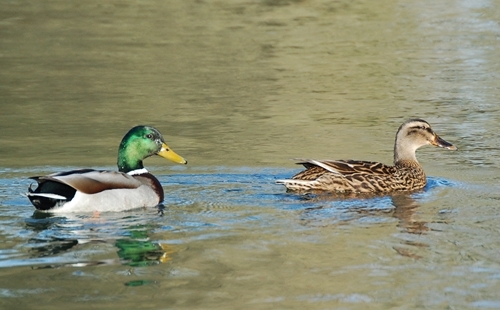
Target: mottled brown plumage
[353,176]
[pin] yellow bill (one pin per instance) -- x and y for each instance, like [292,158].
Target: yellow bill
[167,153]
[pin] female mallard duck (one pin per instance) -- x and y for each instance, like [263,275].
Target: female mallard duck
[88,190]
[353,176]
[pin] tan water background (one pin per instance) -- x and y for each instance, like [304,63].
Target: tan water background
[238,88]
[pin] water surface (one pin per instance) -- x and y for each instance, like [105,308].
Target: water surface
[238,88]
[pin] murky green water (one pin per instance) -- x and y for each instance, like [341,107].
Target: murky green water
[238,88]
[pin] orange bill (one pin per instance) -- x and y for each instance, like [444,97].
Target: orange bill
[438,141]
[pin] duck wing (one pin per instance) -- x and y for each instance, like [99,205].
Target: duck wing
[342,176]
[91,181]
[342,168]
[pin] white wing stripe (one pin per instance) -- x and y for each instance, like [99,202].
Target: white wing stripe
[47,195]
[324,166]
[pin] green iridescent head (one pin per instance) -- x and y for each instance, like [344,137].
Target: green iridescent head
[142,142]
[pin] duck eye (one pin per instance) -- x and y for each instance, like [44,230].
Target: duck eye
[149,136]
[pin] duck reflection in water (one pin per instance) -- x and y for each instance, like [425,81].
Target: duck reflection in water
[56,235]
[404,211]
[403,208]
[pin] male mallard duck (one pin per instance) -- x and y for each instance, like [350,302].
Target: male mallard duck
[353,176]
[88,190]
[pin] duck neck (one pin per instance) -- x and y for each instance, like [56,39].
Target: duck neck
[404,153]
[128,161]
